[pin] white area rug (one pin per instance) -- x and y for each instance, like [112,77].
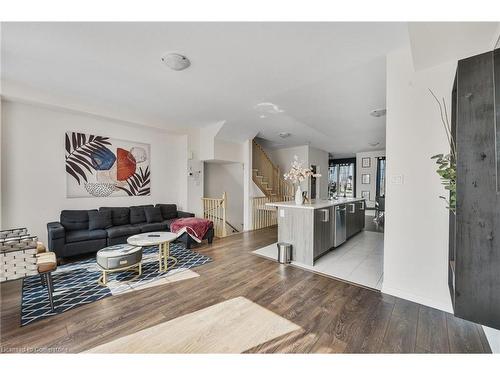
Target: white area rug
[232,326]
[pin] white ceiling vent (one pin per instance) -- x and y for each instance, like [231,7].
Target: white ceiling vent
[175,61]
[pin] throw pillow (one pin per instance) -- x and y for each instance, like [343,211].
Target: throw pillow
[137,214]
[168,211]
[100,220]
[153,214]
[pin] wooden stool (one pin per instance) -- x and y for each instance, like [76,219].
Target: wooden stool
[46,263]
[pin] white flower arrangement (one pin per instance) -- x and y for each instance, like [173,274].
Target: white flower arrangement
[298,173]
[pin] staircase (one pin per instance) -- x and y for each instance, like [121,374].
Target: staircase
[268,177]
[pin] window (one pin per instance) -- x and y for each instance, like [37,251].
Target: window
[342,177]
[381,177]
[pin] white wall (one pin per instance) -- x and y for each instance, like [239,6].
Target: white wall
[227,177]
[33,173]
[319,158]
[372,171]
[195,167]
[228,151]
[1,190]
[416,227]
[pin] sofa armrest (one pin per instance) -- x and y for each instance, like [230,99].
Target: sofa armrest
[57,238]
[184,214]
[55,230]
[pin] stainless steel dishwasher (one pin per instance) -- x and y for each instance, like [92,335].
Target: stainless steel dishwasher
[340,225]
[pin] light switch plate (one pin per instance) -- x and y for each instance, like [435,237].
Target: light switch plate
[397,179]
[282,212]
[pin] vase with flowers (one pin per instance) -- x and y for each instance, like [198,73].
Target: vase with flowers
[297,174]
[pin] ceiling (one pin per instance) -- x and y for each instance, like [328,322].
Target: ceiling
[434,43]
[322,78]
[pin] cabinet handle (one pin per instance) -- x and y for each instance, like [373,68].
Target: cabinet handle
[326,215]
[362,205]
[353,208]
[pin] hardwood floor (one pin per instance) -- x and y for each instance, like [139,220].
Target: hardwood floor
[335,317]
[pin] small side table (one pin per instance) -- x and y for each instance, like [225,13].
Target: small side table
[119,258]
[160,239]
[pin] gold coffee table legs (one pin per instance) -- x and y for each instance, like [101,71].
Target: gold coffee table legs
[103,280]
[164,256]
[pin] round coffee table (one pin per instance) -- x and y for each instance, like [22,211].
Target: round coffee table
[160,239]
[119,258]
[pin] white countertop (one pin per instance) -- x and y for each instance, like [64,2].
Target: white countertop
[316,203]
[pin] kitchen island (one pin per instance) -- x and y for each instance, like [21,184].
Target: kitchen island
[315,228]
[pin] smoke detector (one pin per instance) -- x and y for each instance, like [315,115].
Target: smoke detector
[175,61]
[374,144]
[378,112]
[284,135]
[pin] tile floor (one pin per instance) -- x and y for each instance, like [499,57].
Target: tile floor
[359,260]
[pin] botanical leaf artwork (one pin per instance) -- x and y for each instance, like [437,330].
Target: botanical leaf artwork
[99,166]
[138,184]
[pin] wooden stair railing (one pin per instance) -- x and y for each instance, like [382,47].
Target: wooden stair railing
[214,209]
[268,177]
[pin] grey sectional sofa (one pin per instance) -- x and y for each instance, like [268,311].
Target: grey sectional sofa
[87,231]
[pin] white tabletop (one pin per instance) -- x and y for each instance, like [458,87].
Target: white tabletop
[117,250]
[315,204]
[151,238]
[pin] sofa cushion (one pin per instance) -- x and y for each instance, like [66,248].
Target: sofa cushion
[119,215]
[150,227]
[75,219]
[153,214]
[168,211]
[167,223]
[137,214]
[85,235]
[100,220]
[123,230]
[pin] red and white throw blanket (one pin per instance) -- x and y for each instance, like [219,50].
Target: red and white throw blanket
[194,226]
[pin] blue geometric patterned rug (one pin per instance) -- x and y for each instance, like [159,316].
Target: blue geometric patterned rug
[75,284]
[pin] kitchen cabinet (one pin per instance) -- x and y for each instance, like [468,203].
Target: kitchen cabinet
[355,218]
[360,215]
[352,220]
[315,228]
[323,231]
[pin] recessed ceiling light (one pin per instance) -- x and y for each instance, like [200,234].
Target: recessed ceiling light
[285,135]
[378,112]
[268,107]
[175,61]
[262,116]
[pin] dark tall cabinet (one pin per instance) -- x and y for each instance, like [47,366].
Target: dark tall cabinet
[474,267]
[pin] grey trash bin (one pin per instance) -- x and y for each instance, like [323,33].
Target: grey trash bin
[284,252]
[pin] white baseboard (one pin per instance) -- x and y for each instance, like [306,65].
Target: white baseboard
[493,336]
[443,306]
